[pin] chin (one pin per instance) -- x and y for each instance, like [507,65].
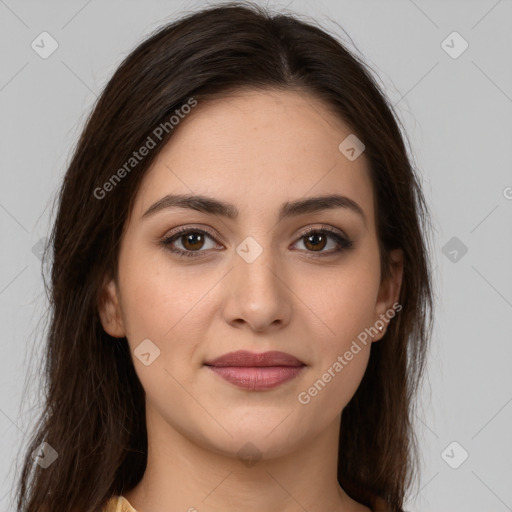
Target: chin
[253,436]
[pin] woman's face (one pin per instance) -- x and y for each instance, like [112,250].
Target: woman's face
[256,280]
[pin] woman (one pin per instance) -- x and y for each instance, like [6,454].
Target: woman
[240,283]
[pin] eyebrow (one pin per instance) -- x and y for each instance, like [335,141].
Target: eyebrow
[212,206]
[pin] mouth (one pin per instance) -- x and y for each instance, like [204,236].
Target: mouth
[252,371]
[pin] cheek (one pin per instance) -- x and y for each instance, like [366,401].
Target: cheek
[342,350]
[157,296]
[343,302]
[327,392]
[167,305]
[342,299]
[161,304]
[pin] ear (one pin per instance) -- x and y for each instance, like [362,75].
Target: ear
[389,292]
[109,310]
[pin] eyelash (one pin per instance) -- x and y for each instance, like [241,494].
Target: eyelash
[343,243]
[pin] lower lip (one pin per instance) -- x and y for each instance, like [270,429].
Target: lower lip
[257,378]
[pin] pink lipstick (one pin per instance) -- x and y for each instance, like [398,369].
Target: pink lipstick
[249,370]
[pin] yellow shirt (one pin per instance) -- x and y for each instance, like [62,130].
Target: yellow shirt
[121,504]
[118,504]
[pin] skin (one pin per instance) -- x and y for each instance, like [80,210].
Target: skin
[255,150]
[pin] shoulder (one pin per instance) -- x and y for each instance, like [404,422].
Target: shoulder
[118,504]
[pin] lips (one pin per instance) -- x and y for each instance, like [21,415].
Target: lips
[255,371]
[251,359]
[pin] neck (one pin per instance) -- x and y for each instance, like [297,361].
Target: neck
[181,475]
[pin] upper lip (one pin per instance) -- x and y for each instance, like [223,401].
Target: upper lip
[250,359]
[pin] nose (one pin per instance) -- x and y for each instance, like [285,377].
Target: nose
[258,295]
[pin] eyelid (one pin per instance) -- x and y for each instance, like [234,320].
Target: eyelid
[215,235]
[191,227]
[343,241]
[324,227]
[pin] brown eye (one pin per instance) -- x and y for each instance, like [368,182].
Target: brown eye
[316,241]
[192,241]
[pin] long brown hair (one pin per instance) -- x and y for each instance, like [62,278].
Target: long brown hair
[94,410]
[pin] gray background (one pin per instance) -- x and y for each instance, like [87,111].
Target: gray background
[457,115]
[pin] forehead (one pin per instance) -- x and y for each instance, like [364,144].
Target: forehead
[257,149]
